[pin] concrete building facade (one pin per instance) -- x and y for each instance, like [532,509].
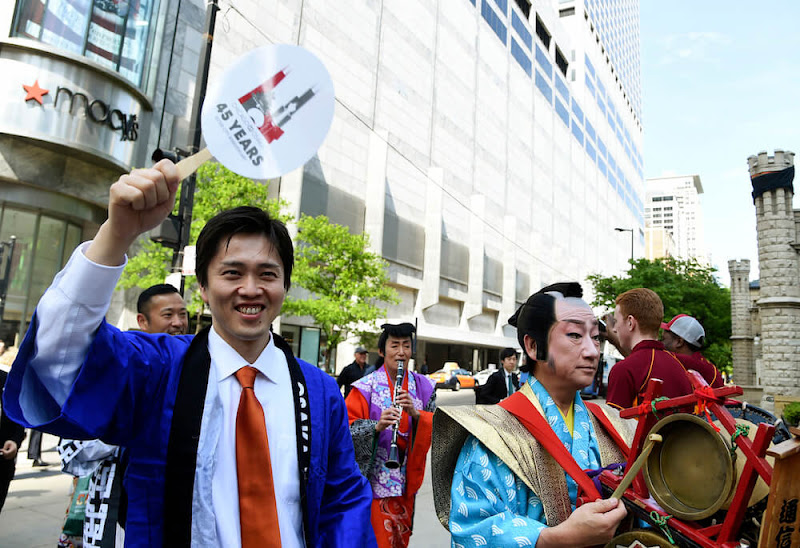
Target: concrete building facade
[773,316]
[488,147]
[672,204]
[658,242]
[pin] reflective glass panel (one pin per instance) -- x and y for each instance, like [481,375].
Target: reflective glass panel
[113,33]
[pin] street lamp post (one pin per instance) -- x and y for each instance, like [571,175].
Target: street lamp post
[175,230]
[618,229]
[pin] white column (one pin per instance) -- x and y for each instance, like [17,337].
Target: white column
[508,305]
[474,305]
[375,199]
[429,293]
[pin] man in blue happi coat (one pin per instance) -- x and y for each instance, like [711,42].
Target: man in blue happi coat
[176,403]
[509,486]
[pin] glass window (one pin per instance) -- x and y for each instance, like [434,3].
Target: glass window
[113,33]
[561,110]
[523,282]
[71,241]
[21,224]
[521,28]
[49,249]
[492,275]
[309,346]
[521,56]
[291,334]
[543,86]
[494,21]
[454,261]
[43,246]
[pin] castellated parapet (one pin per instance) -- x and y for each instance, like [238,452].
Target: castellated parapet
[779,300]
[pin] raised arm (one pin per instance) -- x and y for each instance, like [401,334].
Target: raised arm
[74,306]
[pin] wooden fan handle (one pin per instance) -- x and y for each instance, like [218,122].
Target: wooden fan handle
[189,165]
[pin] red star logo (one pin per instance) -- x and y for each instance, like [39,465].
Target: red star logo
[35,92]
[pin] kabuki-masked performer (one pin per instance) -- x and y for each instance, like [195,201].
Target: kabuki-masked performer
[371,413]
[231,440]
[500,471]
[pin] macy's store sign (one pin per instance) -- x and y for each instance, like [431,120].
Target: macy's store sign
[96,110]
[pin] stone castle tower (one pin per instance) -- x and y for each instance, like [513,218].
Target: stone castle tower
[742,335]
[778,304]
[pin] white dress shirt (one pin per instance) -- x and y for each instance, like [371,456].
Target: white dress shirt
[70,312]
[273,390]
[509,379]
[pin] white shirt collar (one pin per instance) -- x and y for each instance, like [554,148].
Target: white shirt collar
[228,361]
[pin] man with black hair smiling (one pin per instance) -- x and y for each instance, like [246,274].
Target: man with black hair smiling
[232,441]
[501,474]
[161,309]
[373,413]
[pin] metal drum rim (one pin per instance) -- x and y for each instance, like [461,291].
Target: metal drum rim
[651,471]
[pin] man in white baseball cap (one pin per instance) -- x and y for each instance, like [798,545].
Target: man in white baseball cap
[684,336]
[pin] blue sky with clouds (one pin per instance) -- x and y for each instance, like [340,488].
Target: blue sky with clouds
[721,81]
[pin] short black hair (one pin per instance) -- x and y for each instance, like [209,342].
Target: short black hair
[150,292]
[243,220]
[400,330]
[538,314]
[507,353]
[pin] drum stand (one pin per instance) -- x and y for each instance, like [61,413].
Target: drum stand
[704,400]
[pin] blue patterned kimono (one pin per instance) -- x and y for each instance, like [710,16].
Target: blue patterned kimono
[491,506]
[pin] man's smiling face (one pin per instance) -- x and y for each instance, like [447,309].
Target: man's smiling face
[245,292]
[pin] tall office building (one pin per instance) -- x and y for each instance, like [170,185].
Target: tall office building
[617,26]
[488,147]
[673,205]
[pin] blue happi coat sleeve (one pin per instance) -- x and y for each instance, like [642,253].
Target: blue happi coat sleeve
[78,377]
[489,504]
[125,376]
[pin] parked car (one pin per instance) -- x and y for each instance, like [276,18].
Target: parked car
[454,379]
[482,376]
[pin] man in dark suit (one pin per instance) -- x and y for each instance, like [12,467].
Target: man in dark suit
[503,382]
[11,435]
[359,368]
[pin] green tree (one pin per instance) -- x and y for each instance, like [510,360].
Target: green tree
[217,189]
[685,287]
[346,282]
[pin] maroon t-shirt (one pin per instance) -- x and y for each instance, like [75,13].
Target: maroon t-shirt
[628,379]
[699,363]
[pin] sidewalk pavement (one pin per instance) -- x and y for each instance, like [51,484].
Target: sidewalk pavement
[37,503]
[37,500]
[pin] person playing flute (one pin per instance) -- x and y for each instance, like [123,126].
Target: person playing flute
[372,413]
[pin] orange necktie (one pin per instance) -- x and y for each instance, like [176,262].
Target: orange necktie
[258,512]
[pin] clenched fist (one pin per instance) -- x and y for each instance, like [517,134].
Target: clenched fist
[137,202]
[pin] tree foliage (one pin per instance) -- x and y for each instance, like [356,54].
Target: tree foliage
[216,189]
[346,282]
[685,287]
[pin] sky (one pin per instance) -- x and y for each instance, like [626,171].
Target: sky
[720,82]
